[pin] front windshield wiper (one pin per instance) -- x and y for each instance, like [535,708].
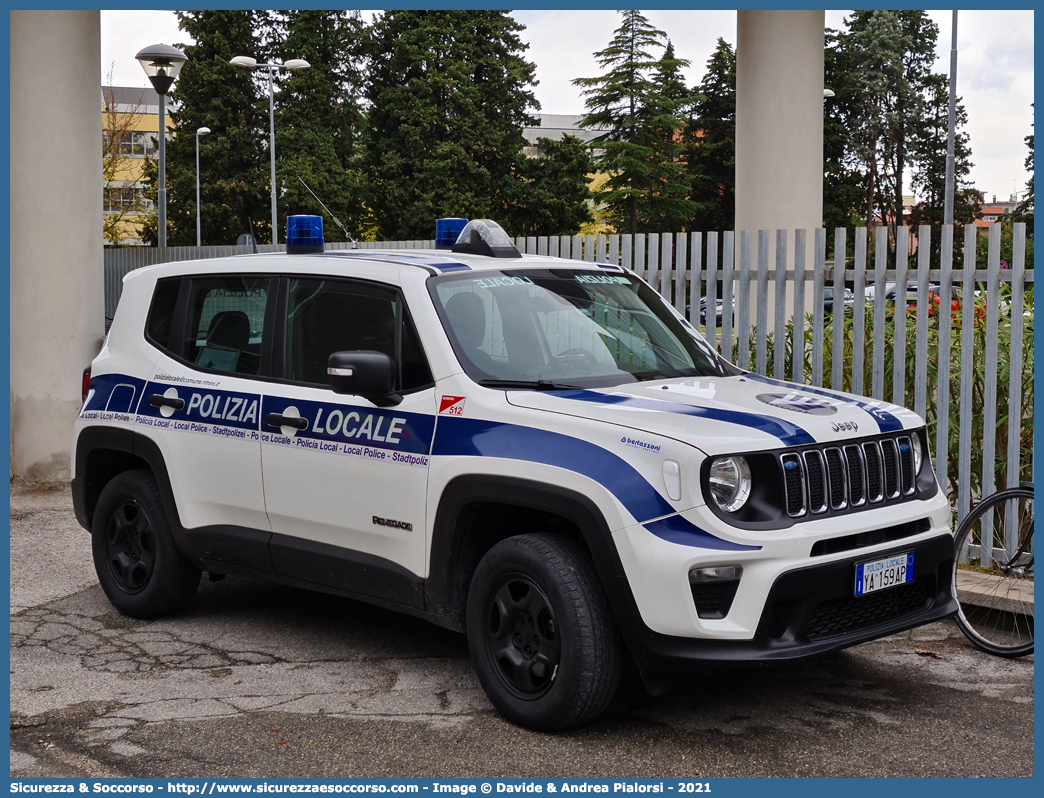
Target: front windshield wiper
[531,385]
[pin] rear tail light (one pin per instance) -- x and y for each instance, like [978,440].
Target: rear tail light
[86,384]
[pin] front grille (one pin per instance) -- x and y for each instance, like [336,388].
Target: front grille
[838,616]
[856,485]
[822,479]
[875,489]
[874,537]
[794,484]
[838,479]
[906,465]
[816,481]
[890,457]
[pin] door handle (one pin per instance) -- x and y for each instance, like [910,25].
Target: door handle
[277,420]
[159,400]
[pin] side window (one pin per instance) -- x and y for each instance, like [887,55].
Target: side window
[226,318]
[415,371]
[161,314]
[327,316]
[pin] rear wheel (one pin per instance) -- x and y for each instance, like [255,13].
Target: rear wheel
[138,564]
[541,636]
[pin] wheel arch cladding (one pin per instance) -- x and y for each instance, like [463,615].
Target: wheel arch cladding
[120,450]
[459,540]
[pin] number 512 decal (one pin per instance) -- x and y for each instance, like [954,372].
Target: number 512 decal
[451,406]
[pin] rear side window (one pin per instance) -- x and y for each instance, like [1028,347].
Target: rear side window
[226,317]
[161,314]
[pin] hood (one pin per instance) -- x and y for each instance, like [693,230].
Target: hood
[722,415]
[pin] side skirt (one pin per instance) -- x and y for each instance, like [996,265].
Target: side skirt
[221,567]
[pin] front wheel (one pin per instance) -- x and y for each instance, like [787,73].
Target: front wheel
[993,573]
[541,636]
[138,564]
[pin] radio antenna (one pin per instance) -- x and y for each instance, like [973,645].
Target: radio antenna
[336,221]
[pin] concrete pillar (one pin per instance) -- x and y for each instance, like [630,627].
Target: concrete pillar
[57,285]
[779,133]
[779,120]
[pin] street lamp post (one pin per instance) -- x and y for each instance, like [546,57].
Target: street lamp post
[202,131]
[162,63]
[251,63]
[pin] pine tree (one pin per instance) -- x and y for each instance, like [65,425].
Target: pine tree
[449,94]
[317,115]
[929,177]
[233,158]
[623,102]
[556,197]
[875,44]
[668,207]
[711,143]
[911,92]
[844,194]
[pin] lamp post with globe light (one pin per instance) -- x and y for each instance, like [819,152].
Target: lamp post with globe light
[251,63]
[161,63]
[202,131]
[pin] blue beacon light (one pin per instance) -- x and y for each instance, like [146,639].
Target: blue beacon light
[447,230]
[304,234]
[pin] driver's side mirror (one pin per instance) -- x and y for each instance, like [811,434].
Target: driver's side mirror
[364,373]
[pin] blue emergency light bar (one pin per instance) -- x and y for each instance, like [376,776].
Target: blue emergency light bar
[304,234]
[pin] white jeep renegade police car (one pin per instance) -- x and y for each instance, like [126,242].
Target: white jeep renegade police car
[538,452]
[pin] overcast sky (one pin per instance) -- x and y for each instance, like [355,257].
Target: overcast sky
[994,77]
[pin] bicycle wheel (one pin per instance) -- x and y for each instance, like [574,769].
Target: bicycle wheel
[993,573]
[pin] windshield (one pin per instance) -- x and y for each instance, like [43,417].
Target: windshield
[554,328]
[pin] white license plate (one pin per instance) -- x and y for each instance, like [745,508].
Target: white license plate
[880,574]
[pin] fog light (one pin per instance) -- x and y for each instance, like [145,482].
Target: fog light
[719,573]
[713,590]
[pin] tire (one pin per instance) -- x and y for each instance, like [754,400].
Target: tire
[994,611]
[541,636]
[139,566]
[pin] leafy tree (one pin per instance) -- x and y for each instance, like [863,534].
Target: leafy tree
[557,197]
[625,101]
[233,158]
[122,171]
[318,119]
[449,94]
[884,119]
[711,143]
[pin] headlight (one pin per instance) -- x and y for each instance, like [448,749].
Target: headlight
[730,482]
[915,442]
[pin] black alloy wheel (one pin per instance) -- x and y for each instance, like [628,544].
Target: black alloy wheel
[541,635]
[523,637]
[139,566]
[130,546]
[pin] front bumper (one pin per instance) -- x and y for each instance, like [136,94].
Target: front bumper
[812,610]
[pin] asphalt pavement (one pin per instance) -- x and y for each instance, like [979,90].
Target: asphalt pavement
[259,680]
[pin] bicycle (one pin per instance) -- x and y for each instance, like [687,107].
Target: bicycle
[995,589]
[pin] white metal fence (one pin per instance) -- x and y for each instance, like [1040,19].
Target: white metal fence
[972,381]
